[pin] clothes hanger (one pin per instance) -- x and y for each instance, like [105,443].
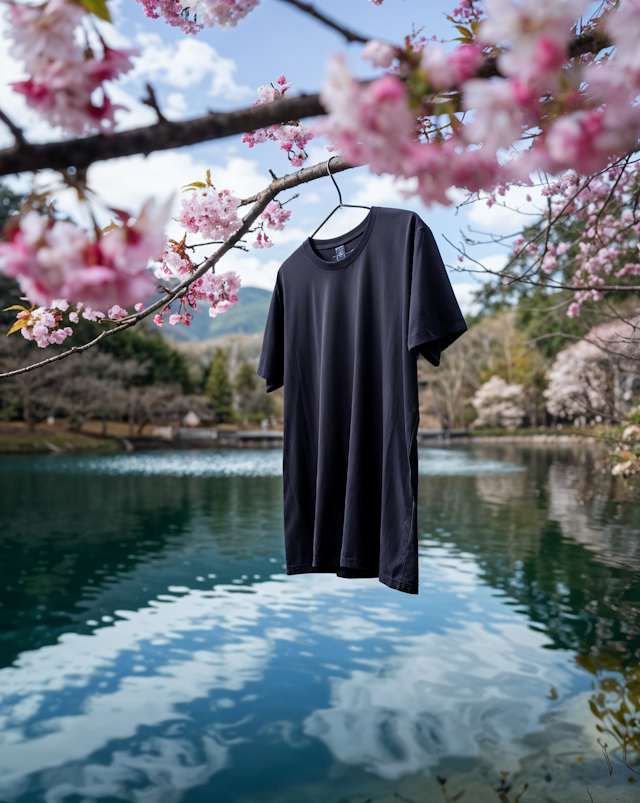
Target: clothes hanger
[353,206]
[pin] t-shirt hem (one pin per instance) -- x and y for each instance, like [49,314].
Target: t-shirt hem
[398,585]
[332,561]
[333,564]
[424,337]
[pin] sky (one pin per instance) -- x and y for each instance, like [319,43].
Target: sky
[220,70]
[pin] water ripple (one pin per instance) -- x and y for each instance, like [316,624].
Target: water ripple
[433,462]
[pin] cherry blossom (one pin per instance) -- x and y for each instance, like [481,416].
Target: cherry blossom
[44,34]
[56,259]
[595,375]
[172,13]
[370,125]
[498,404]
[379,53]
[178,13]
[444,69]
[293,137]
[500,114]
[262,240]
[210,213]
[275,217]
[175,261]
[63,77]
[600,232]
[61,92]
[116,313]
[90,314]
[42,326]
[537,30]
[225,13]
[217,289]
[391,131]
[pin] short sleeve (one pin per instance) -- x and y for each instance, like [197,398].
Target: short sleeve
[271,364]
[435,319]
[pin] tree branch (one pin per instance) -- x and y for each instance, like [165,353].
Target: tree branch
[167,135]
[153,103]
[260,201]
[350,36]
[158,137]
[17,132]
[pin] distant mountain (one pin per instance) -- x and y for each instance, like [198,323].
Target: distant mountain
[247,316]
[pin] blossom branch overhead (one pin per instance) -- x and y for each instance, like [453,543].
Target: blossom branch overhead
[526,90]
[261,204]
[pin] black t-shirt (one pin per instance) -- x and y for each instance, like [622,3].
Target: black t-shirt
[347,320]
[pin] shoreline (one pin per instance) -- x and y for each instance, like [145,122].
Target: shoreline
[43,442]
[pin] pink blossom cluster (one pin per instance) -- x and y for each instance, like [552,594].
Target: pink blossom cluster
[370,125]
[57,259]
[293,137]
[192,16]
[42,326]
[595,116]
[601,231]
[63,76]
[172,12]
[210,213]
[465,11]
[217,289]
[225,13]
[275,217]
[174,262]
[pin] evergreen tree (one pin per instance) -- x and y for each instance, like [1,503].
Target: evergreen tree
[218,387]
[245,385]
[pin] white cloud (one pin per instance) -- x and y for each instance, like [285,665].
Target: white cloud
[464,294]
[254,270]
[186,64]
[380,190]
[128,182]
[175,106]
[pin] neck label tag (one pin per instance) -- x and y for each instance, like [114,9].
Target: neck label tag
[340,254]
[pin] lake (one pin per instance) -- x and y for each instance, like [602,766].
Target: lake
[153,649]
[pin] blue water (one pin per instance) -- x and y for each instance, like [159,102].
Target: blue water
[153,649]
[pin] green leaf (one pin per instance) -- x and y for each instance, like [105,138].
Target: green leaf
[15,306]
[464,31]
[97,7]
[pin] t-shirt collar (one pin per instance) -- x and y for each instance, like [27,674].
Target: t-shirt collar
[366,225]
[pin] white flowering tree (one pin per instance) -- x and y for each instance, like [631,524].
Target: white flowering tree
[535,87]
[598,375]
[498,404]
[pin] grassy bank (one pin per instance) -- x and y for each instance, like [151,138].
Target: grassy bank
[14,439]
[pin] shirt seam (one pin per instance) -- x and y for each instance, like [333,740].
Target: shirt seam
[413,502]
[435,332]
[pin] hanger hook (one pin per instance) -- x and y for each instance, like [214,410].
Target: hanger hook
[332,178]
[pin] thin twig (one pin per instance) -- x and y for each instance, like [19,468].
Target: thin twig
[307,8]
[17,132]
[152,101]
